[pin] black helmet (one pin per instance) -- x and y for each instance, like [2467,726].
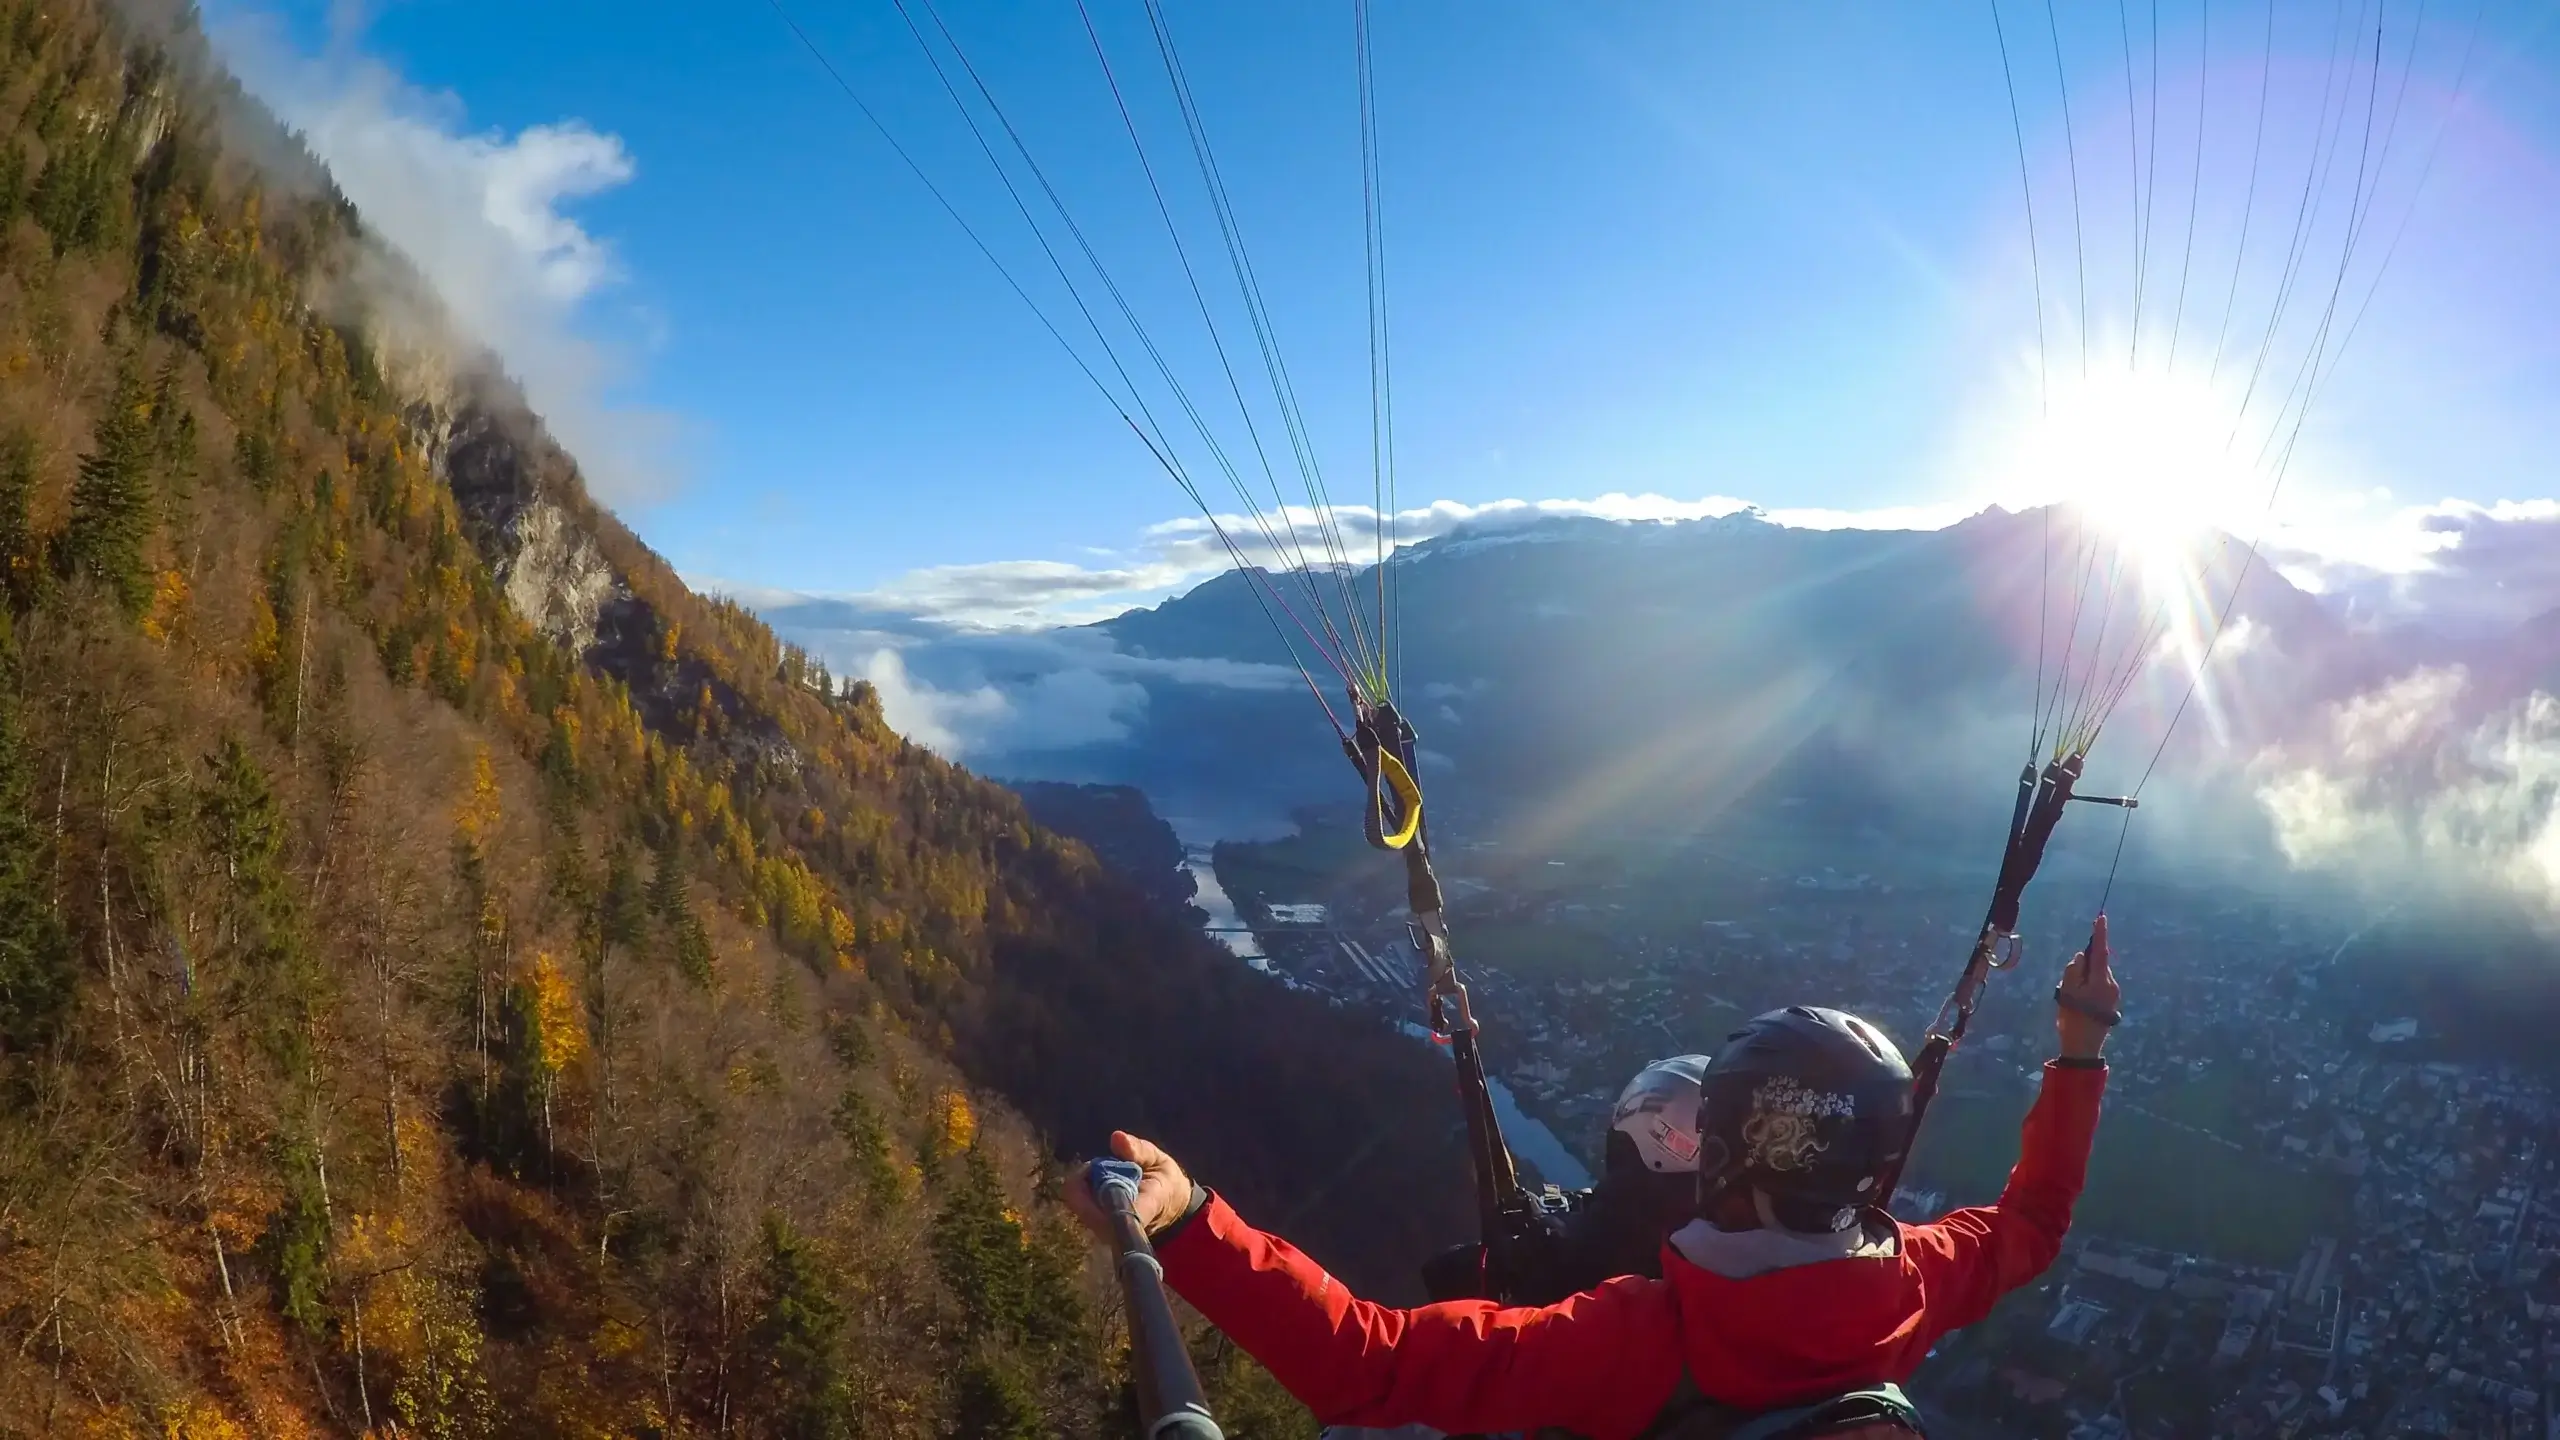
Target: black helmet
[1808,1106]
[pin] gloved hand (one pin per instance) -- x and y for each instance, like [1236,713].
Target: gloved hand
[1164,1192]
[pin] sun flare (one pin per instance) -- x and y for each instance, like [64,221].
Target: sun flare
[2147,455]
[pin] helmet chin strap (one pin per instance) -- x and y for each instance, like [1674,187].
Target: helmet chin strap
[1767,1212]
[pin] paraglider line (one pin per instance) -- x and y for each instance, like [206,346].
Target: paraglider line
[2071,153]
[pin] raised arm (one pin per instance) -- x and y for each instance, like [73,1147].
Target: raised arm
[1601,1363]
[1974,1256]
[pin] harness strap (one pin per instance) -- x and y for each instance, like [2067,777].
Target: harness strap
[1883,1405]
[1691,1415]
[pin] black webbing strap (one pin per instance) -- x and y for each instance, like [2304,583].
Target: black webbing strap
[2042,797]
[1382,750]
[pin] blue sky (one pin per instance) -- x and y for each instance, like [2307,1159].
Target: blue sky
[1701,253]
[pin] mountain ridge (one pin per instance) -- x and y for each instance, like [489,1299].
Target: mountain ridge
[1651,626]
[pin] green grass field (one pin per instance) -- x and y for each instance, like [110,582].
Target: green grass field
[2209,1101]
[2149,1182]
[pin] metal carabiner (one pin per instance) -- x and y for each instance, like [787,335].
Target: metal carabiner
[2015,947]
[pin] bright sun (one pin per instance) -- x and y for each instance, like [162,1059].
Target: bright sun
[2148,455]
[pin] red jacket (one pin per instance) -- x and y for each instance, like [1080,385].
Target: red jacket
[1604,1363]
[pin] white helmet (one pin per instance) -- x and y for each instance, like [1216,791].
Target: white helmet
[1658,1111]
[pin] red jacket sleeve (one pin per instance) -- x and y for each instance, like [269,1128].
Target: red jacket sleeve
[1601,1363]
[1972,1257]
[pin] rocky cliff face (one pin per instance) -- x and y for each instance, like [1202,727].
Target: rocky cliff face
[521,495]
[563,563]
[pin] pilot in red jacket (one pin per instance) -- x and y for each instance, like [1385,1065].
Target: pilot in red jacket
[1791,1285]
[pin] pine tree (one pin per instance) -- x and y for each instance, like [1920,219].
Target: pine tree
[995,1403]
[21,571]
[173,444]
[693,951]
[35,952]
[801,1337]
[111,505]
[874,1167]
[540,1036]
[624,907]
[63,195]
[253,450]
[1006,1287]
[84,198]
[666,881]
[244,830]
[850,1041]
[296,1241]
[13,179]
[667,898]
[1244,1397]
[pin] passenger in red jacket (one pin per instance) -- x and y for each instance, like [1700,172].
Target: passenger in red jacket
[1791,1286]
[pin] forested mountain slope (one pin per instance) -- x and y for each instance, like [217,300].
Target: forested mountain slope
[1122,830]
[453,980]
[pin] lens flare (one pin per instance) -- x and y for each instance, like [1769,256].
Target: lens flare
[2149,457]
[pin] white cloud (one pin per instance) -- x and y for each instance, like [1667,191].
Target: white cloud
[1027,593]
[986,694]
[973,718]
[2453,557]
[932,718]
[1886,517]
[2425,776]
[484,217]
[2458,563]
[1297,534]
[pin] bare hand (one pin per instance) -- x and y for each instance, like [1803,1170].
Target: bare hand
[1164,1192]
[2087,993]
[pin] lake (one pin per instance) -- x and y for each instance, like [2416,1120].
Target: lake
[1225,926]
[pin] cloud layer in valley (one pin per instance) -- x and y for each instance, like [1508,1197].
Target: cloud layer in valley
[982,694]
[485,218]
[2428,776]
